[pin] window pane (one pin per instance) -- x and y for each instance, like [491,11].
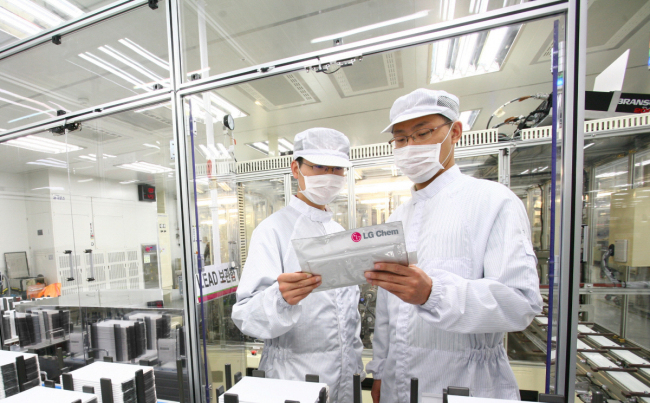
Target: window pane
[23,19]
[93,66]
[247,33]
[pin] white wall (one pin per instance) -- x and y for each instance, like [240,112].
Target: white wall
[13,218]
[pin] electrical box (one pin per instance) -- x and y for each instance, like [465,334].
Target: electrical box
[629,224]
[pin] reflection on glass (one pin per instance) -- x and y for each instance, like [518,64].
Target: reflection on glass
[235,36]
[92,66]
[21,19]
[95,214]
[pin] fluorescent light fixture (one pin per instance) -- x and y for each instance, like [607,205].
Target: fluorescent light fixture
[41,144]
[471,54]
[144,53]
[40,14]
[16,26]
[151,146]
[543,169]
[525,172]
[261,146]
[603,194]
[227,106]
[49,162]
[285,143]
[31,115]
[65,7]
[366,28]
[468,118]
[97,61]
[224,186]
[642,164]
[88,157]
[610,174]
[127,182]
[284,146]
[588,145]
[130,62]
[85,180]
[224,151]
[258,103]
[145,167]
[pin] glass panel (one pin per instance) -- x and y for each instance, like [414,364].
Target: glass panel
[37,244]
[229,36]
[112,202]
[261,199]
[615,267]
[24,18]
[269,112]
[92,66]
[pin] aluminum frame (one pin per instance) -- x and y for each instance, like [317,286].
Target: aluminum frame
[85,20]
[575,10]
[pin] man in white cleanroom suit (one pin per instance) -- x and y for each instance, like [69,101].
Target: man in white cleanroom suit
[443,320]
[303,332]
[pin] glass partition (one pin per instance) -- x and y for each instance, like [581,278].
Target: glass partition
[225,37]
[92,66]
[102,241]
[24,19]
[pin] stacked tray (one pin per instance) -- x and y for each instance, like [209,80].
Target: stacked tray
[158,326]
[117,337]
[264,390]
[50,395]
[122,378]
[32,369]
[8,377]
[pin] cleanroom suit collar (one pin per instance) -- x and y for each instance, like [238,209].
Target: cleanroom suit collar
[437,185]
[313,213]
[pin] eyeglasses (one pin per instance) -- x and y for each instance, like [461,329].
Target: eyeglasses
[322,169]
[419,137]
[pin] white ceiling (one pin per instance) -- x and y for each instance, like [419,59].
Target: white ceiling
[360,110]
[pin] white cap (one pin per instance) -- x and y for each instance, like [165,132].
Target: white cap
[423,102]
[323,146]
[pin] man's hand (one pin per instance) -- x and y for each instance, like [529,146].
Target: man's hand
[410,284]
[376,390]
[296,286]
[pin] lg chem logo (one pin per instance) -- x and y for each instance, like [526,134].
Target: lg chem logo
[356,237]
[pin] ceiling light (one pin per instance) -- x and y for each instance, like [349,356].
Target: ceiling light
[42,144]
[49,162]
[144,53]
[224,151]
[603,194]
[468,118]
[85,180]
[588,145]
[471,54]
[525,172]
[151,146]
[227,106]
[88,157]
[127,182]
[258,103]
[145,167]
[42,15]
[31,115]
[65,7]
[97,61]
[610,174]
[543,169]
[16,26]
[129,62]
[366,28]
[644,163]
[259,146]
[285,143]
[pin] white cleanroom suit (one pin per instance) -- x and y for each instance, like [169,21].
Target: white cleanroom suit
[319,335]
[473,239]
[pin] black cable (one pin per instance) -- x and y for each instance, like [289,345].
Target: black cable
[324,72]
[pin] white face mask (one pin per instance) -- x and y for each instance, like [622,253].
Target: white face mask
[421,163]
[322,189]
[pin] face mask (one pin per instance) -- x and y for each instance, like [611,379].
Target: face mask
[322,189]
[421,163]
